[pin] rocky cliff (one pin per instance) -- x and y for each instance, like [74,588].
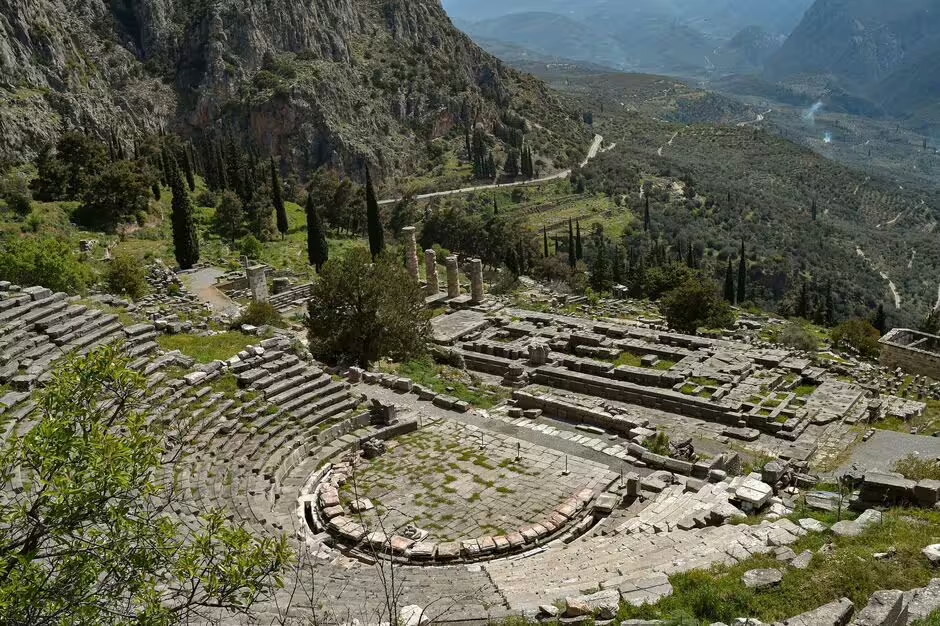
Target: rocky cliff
[339,81]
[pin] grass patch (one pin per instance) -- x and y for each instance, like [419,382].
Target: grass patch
[439,378]
[804,390]
[850,570]
[218,347]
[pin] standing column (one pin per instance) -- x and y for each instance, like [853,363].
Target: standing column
[453,280]
[411,251]
[430,267]
[476,281]
[257,282]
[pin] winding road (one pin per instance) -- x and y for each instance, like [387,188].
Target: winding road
[884,275]
[592,152]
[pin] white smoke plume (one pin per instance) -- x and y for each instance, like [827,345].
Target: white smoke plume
[810,114]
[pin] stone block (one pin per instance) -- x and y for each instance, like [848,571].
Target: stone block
[812,525]
[761,578]
[836,613]
[885,608]
[448,551]
[927,492]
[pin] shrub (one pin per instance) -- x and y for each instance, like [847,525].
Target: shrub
[858,335]
[914,467]
[441,254]
[260,314]
[250,247]
[694,304]
[798,337]
[47,262]
[126,276]
[15,191]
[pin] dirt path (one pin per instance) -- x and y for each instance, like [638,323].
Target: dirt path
[202,283]
[760,118]
[668,143]
[884,275]
[592,152]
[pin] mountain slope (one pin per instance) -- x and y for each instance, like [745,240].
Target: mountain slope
[878,50]
[325,81]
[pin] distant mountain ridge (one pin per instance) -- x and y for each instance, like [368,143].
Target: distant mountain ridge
[888,52]
[691,38]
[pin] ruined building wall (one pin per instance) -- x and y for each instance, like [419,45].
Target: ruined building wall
[900,348]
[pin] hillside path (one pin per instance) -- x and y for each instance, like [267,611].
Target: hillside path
[592,152]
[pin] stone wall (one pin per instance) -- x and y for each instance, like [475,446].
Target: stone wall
[620,425]
[877,489]
[660,399]
[912,351]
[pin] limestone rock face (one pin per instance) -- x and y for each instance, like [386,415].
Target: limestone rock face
[323,81]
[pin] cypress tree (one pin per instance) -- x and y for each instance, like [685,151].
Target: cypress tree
[881,320]
[830,317]
[278,201]
[646,216]
[690,257]
[572,257]
[495,206]
[600,271]
[803,306]
[318,250]
[185,239]
[814,209]
[742,276]
[617,272]
[545,242]
[188,171]
[729,282]
[376,230]
[579,250]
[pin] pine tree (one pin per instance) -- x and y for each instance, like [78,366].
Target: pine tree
[647,222]
[278,201]
[578,249]
[545,242]
[572,257]
[318,250]
[185,239]
[742,276]
[374,220]
[729,282]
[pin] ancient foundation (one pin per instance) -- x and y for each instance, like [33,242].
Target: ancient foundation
[476,281]
[257,282]
[411,251]
[914,352]
[430,267]
[453,279]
